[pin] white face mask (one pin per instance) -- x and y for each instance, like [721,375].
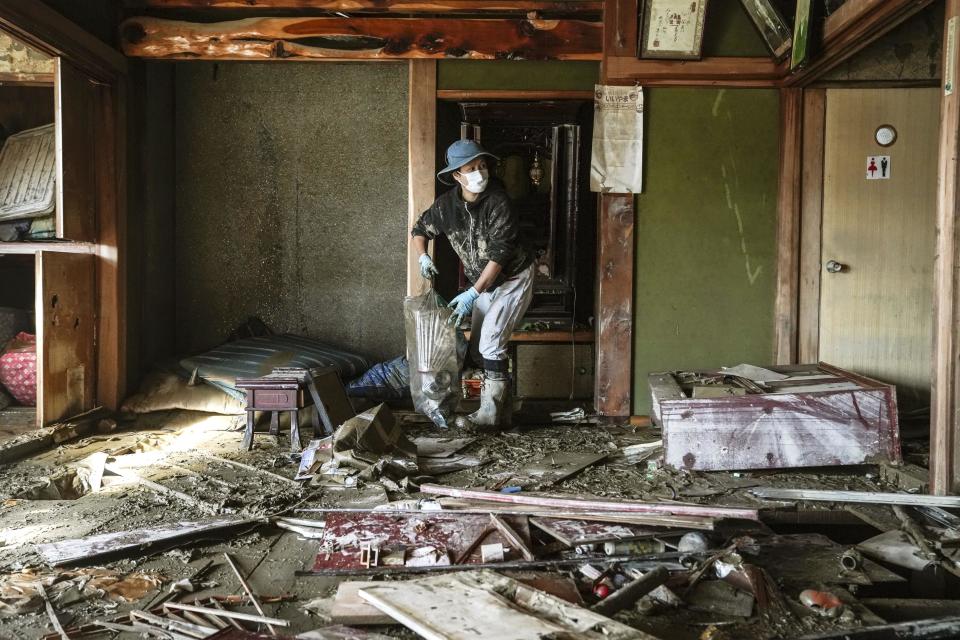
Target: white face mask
[476,180]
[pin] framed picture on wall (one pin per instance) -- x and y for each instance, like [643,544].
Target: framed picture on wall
[772,27]
[672,29]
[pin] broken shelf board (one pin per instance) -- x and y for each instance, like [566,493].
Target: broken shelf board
[449,534]
[573,532]
[866,497]
[847,422]
[575,504]
[487,605]
[76,550]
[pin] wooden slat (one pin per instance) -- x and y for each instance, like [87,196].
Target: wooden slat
[65,308]
[945,403]
[45,29]
[788,228]
[850,29]
[614,371]
[383,6]
[718,72]
[361,39]
[422,142]
[811,216]
[32,248]
[509,94]
[74,114]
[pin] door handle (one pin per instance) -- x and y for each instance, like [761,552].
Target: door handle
[835,267]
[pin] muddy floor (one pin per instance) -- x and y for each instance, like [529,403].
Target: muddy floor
[45,499]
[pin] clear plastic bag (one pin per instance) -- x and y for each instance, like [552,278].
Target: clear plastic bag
[435,357]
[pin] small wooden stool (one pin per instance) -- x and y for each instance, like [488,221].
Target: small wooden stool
[286,389]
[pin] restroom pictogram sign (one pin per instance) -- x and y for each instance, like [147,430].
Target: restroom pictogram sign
[878,167]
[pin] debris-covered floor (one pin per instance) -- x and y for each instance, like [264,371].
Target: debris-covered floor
[667,560]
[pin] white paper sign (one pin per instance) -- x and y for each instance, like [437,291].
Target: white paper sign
[878,167]
[616,165]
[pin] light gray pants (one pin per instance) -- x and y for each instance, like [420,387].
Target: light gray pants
[495,316]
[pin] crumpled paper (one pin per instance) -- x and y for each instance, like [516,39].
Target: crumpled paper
[374,444]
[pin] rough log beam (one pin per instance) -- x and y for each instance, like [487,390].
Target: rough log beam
[726,72]
[361,38]
[568,7]
[850,29]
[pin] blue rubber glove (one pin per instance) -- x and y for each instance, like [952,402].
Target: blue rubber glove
[462,306]
[427,270]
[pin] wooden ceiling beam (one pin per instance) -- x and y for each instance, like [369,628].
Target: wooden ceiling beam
[362,39]
[851,28]
[569,7]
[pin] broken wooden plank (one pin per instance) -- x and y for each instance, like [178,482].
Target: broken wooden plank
[867,497]
[75,550]
[223,613]
[573,504]
[480,508]
[474,606]
[249,592]
[511,537]
[573,533]
[361,38]
[247,467]
[628,594]
[349,608]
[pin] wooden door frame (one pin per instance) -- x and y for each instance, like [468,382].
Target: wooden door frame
[46,30]
[808,213]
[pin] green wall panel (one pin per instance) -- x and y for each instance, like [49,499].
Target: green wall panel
[517,74]
[730,32]
[705,232]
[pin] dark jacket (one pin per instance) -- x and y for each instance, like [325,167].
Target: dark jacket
[488,229]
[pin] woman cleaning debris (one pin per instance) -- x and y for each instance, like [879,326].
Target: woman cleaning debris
[484,230]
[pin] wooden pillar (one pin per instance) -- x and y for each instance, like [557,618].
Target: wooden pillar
[614,342]
[111,196]
[613,385]
[788,228]
[421,157]
[944,414]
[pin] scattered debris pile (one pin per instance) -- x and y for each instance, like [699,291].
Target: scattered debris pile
[391,528]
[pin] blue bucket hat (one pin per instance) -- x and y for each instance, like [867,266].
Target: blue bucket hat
[460,153]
